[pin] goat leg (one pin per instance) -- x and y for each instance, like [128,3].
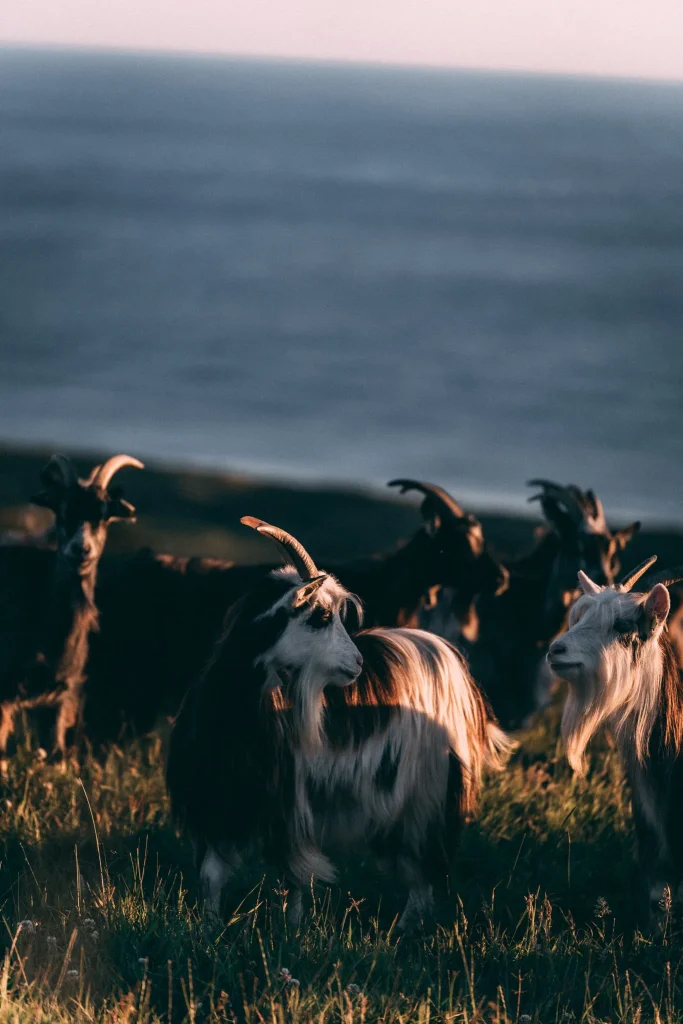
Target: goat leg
[7,712]
[215,872]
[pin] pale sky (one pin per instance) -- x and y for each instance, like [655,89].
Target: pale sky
[640,38]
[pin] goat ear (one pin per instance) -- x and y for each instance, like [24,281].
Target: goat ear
[655,609]
[625,536]
[587,585]
[119,508]
[307,590]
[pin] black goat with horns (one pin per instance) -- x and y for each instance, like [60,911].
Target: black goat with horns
[512,631]
[48,607]
[160,616]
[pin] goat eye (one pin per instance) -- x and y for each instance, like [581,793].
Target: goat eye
[319,618]
[624,626]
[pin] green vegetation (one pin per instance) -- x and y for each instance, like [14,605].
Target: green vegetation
[101,922]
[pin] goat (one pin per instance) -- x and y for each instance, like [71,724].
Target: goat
[311,742]
[161,615]
[50,597]
[448,551]
[622,675]
[506,649]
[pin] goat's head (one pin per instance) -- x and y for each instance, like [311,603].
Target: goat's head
[612,660]
[586,541]
[83,508]
[309,647]
[458,553]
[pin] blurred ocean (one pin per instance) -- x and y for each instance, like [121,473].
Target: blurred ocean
[346,273]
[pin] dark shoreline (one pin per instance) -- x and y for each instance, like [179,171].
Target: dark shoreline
[197,512]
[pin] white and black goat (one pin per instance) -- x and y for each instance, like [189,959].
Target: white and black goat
[310,742]
[623,676]
[49,597]
[512,631]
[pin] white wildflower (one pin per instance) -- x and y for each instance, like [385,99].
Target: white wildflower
[284,974]
[353,990]
[28,927]
[72,975]
[524,1018]
[41,754]
[142,960]
[51,940]
[89,922]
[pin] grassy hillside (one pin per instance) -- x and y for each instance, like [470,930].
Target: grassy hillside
[98,894]
[98,901]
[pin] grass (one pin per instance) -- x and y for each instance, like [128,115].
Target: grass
[101,922]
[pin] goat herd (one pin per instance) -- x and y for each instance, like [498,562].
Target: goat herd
[296,729]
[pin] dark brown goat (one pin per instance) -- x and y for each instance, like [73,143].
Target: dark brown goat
[49,597]
[160,616]
[513,630]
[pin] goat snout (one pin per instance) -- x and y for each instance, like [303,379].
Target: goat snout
[354,670]
[559,658]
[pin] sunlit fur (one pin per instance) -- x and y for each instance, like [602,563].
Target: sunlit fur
[623,676]
[314,656]
[506,637]
[622,684]
[52,633]
[393,760]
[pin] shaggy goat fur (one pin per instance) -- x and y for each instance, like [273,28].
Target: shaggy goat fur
[513,630]
[623,677]
[262,750]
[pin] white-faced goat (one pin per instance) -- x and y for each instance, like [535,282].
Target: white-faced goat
[50,598]
[622,676]
[310,742]
[514,629]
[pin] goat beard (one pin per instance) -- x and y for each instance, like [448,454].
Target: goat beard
[621,697]
[299,706]
[308,706]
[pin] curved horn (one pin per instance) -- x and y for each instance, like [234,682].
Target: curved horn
[105,473]
[667,577]
[291,548]
[587,585]
[632,577]
[64,467]
[557,492]
[93,473]
[442,497]
[598,514]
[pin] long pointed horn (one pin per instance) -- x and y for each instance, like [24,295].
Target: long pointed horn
[667,577]
[293,551]
[112,466]
[587,585]
[632,577]
[441,497]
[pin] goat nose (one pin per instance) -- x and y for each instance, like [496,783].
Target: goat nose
[557,647]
